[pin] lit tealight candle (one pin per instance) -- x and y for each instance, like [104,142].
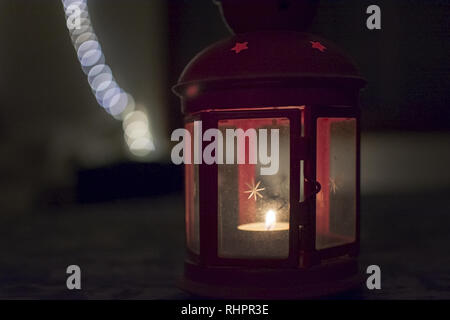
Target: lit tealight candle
[271,219]
[270,224]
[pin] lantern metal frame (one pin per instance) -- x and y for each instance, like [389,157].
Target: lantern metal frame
[209,93]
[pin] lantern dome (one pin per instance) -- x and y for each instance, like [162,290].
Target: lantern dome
[258,15]
[268,58]
[289,232]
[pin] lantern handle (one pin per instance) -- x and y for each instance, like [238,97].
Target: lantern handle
[317,187]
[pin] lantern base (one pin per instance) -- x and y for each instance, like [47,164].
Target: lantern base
[257,283]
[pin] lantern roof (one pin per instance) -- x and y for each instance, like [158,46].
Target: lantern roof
[269,58]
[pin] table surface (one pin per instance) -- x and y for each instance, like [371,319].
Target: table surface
[134,249]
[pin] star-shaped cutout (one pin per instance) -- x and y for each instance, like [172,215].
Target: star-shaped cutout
[254,190]
[239,46]
[333,185]
[317,45]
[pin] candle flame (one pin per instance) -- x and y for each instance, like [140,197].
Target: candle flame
[271,219]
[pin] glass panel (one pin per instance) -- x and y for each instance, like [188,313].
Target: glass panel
[336,173]
[302,177]
[192,198]
[253,211]
[302,182]
[302,124]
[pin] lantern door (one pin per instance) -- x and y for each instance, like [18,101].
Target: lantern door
[337,173]
[251,205]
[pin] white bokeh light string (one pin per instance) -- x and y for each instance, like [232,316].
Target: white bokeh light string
[110,96]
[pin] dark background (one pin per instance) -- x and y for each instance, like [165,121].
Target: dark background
[71,192]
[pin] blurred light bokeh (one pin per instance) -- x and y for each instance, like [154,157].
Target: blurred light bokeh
[128,54]
[109,94]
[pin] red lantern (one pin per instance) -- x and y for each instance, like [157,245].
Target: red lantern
[294,233]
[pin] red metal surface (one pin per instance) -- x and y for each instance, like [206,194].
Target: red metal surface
[283,59]
[269,76]
[189,194]
[272,14]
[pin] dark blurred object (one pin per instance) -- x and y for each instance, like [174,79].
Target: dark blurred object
[128,180]
[295,15]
